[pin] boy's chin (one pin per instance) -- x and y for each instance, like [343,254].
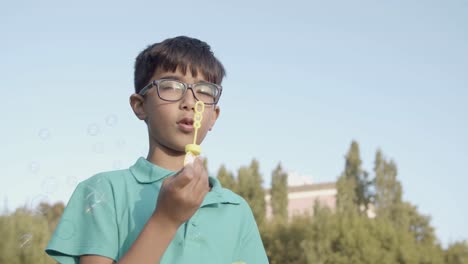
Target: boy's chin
[180,149]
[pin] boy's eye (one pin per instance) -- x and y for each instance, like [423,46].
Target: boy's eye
[205,90]
[171,85]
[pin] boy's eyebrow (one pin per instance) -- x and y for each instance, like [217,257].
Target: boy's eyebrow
[177,78]
[171,77]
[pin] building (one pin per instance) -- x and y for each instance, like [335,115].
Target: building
[303,194]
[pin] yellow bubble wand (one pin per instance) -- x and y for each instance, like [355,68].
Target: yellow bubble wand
[193,150]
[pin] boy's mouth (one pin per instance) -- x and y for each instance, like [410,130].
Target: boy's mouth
[185,124]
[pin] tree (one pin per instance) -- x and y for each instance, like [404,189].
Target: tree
[343,237]
[279,194]
[346,195]
[353,185]
[52,213]
[226,179]
[413,229]
[388,190]
[284,241]
[250,188]
[25,234]
[457,253]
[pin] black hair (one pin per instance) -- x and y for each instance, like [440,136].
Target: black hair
[180,52]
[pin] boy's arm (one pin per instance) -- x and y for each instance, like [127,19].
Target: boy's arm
[180,197]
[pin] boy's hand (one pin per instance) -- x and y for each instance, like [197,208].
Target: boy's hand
[182,194]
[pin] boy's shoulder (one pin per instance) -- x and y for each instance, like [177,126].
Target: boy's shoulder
[105,184]
[107,177]
[231,196]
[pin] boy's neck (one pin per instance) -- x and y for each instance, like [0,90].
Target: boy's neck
[165,158]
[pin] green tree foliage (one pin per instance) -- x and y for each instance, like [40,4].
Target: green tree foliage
[398,234]
[284,241]
[350,237]
[226,179]
[279,194]
[346,199]
[388,190]
[25,234]
[353,184]
[52,213]
[343,237]
[457,253]
[403,216]
[249,186]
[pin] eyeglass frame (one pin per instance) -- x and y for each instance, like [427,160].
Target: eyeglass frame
[187,86]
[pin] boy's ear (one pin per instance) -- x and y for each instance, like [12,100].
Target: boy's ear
[215,117]
[136,102]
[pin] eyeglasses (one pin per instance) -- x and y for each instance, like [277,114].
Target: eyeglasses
[172,90]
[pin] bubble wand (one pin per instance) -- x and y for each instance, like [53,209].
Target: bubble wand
[193,150]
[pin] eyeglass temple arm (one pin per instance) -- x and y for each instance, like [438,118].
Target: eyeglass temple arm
[143,91]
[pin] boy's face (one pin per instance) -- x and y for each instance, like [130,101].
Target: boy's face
[170,124]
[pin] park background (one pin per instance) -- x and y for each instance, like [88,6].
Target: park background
[305,79]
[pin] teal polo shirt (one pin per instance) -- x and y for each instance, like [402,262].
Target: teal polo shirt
[107,212]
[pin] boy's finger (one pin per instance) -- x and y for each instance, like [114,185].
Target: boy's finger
[197,164]
[198,169]
[202,183]
[202,186]
[184,177]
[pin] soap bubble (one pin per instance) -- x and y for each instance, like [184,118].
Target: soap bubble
[94,198]
[34,167]
[35,202]
[93,129]
[50,185]
[44,133]
[111,120]
[25,240]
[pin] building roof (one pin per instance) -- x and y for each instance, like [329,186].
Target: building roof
[308,187]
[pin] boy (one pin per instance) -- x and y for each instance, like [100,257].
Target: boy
[158,210]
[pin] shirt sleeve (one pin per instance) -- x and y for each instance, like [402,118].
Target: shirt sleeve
[88,224]
[251,249]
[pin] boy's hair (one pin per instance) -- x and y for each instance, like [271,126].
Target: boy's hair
[180,52]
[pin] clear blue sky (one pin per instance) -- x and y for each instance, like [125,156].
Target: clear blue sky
[304,79]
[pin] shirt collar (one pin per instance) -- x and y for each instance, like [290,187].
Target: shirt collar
[146,172]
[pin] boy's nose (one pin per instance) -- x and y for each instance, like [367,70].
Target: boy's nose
[189,100]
